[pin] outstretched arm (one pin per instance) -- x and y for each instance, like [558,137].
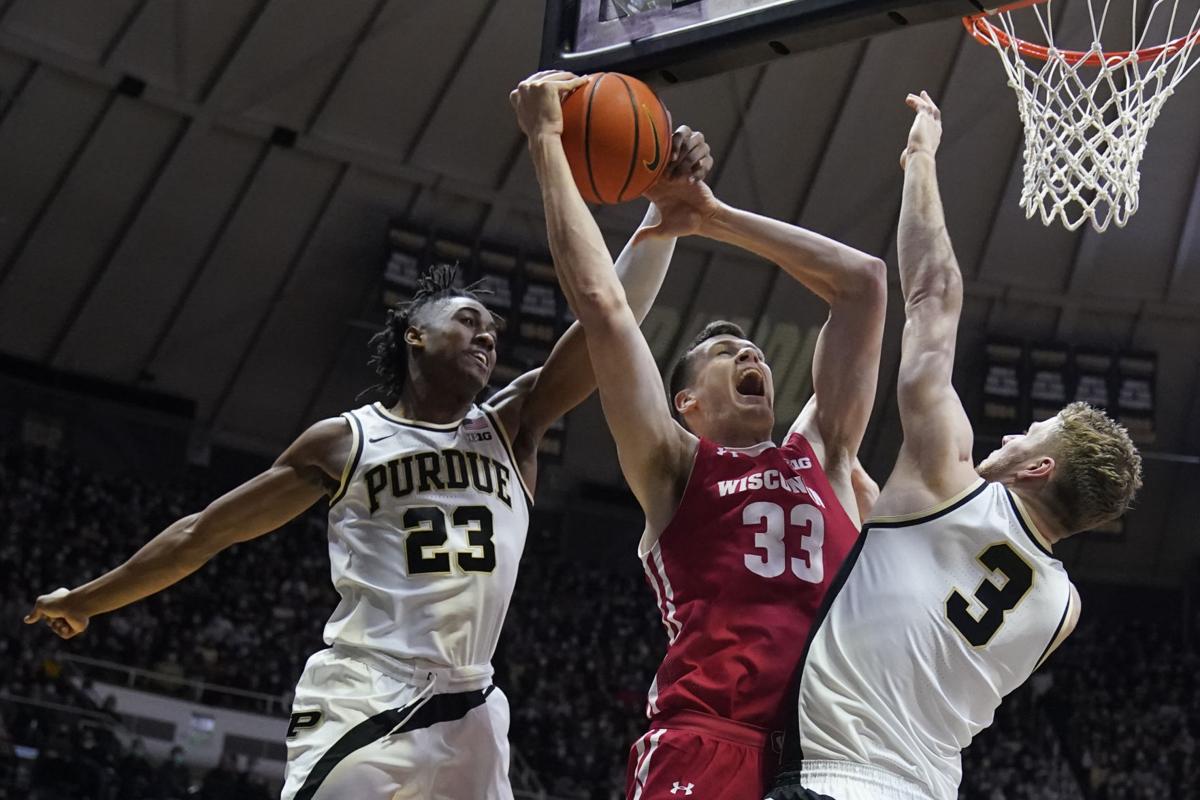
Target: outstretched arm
[935,458]
[309,468]
[535,400]
[654,451]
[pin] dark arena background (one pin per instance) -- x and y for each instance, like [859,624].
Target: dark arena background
[205,209]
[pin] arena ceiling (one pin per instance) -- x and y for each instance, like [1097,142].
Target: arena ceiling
[195,197]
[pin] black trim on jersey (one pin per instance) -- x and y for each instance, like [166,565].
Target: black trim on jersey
[439,708]
[1012,501]
[1057,630]
[788,787]
[941,512]
[512,458]
[791,758]
[409,424]
[349,474]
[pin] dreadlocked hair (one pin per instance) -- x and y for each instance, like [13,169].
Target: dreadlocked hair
[389,352]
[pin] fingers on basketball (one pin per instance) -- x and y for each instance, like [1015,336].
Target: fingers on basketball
[688,163]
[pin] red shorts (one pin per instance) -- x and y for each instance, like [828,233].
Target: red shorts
[691,754]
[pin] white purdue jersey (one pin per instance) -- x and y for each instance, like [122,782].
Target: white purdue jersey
[941,615]
[425,533]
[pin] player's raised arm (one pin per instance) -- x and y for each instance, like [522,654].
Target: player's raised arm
[846,361]
[532,403]
[935,458]
[309,468]
[654,450]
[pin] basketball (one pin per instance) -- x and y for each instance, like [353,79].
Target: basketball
[617,136]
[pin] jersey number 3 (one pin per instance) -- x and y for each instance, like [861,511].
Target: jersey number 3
[996,598]
[773,524]
[425,543]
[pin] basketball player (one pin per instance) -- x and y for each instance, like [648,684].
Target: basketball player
[429,502]
[742,536]
[953,596]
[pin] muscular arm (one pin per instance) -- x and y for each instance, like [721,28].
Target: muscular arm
[532,403]
[654,451]
[846,359]
[308,469]
[935,457]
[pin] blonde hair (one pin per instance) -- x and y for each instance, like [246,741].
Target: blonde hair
[1099,469]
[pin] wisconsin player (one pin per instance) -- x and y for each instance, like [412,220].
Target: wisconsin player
[953,597]
[429,501]
[743,536]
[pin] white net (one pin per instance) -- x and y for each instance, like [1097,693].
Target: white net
[1087,113]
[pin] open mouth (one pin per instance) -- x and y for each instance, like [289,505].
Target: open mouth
[481,357]
[751,384]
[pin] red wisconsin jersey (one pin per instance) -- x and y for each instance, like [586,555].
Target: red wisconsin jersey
[739,574]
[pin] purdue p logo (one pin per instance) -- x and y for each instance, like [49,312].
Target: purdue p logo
[301,720]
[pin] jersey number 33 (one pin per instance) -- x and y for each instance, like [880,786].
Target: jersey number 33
[772,524]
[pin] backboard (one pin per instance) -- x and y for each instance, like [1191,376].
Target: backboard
[678,40]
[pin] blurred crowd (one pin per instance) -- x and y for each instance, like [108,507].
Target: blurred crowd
[1113,716]
[60,741]
[1131,711]
[261,603]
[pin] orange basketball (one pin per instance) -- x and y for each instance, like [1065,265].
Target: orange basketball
[617,135]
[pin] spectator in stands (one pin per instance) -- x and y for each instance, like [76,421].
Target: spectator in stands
[172,780]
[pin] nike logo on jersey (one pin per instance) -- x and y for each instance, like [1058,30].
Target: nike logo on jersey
[437,470]
[767,479]
[381,438]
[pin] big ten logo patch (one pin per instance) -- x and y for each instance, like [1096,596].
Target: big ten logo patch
[788,348]
[302,720]
[477,430]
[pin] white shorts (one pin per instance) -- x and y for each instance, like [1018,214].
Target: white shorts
[843,780]
[358,731]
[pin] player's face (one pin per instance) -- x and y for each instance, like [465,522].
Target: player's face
[459,339]
[731,377]
[1019,449]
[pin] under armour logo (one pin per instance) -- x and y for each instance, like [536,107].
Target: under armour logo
[676,788]
[721,451]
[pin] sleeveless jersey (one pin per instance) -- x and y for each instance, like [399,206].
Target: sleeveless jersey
[941,615]
[425,533]
[739,574]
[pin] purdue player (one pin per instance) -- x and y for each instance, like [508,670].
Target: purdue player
[954,596]
[429,498]
[742,536]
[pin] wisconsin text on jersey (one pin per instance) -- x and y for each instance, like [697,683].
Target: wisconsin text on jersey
[438,470]
[771,479]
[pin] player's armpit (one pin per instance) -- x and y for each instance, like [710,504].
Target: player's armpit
[934,462]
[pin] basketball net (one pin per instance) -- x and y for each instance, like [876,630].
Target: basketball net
[1087,113]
